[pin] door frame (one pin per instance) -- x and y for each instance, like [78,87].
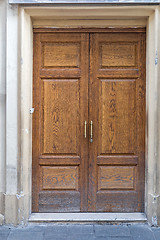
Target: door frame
[33,16]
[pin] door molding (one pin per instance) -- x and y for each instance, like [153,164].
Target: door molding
[151,199]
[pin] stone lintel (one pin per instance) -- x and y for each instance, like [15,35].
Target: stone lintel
[112,2]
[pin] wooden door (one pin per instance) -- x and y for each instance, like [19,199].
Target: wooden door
[117,109]
[60,151]
[98,77]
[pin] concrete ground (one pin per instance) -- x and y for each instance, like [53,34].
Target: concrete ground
[81,232]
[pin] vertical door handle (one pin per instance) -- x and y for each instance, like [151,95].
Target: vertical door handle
[85,129]
[91,139]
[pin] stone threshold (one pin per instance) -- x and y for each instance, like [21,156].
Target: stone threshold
[87,217]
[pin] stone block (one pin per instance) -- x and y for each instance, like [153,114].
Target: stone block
[156,232]
[82,237]
[25,235]
[141,232]
[112,230]
[4,232]
[80,229]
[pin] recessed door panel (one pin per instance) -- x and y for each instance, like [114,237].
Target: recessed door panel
[60,110]
[117,115]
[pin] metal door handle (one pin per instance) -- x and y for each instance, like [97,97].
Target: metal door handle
[85,129]
[91,140]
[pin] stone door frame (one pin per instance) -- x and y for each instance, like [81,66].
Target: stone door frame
[19,91]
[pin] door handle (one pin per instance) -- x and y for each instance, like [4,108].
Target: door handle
[85,129]
[91,139]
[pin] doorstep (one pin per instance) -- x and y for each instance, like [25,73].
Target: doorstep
[87,217]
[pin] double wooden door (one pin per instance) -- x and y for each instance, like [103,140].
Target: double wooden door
[89,121]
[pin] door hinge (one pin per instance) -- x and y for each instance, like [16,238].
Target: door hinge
[31,110]
[156,59]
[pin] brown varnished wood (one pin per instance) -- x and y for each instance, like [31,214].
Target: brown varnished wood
[35,123]
[57,116]
[61,55]
[117,109]
[66,73]
[59,201]
[94,75]
[116,177]
[60,151]
[89,30]
[118,73]
[117,160]
[59,178]
[59,160]
[117,133]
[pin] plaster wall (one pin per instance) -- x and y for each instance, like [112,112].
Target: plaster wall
[152,117]
[19,49]
[12,115]
[2,106]
[158,123]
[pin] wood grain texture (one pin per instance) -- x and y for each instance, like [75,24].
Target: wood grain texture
[117,115]
[59,201]
[61,55]
[117,160]
[90,30]
[89,75]
[116,177]
[61,178]
[60,121]
[117,109]
[60,100]
[117,55]
[117,201]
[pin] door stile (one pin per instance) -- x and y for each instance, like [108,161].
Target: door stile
[93,112]
[36,122]
[60,99]
[141,119]
[84,117]
[117,109]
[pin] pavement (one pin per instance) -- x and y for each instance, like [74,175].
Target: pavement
[81,232]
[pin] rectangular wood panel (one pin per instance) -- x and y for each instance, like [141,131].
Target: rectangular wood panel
[118,116]
[59,201]
[115,54]
[60,108]
[116,177]
[117,201]
[61,55]
[60,178]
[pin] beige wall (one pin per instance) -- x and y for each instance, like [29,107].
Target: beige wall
[16,69]
[158,125]
[2,106]
[152,144]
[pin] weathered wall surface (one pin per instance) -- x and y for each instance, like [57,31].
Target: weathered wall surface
[158,123]
[2,105]
[12,114]
[85,1]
